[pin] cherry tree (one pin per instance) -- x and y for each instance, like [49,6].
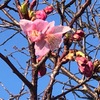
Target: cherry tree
[49,49]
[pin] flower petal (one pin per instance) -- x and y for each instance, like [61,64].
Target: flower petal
[41,48]
[61,29]
[40,24]
[49,28]
[27,25]
[54,41]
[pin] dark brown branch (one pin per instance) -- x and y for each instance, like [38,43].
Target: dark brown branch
[18,8]
[34,72]
[73,88]
[4,4]
[75,78]
[11,8]
[80,12]
[69,4]
[10,17]
[28,84]
[48,91]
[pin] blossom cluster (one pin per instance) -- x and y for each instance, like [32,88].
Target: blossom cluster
[29,13]
[48,37]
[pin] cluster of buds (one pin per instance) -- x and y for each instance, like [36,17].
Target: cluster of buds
[28,13]
[86,66]
[42,69]
[72,55]
[42,14]
[78,35]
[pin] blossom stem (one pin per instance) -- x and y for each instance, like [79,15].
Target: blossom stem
[34,72]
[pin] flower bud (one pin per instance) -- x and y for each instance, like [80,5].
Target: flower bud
[24,8]
[31,13]
[42,71]
[81,60]
[40,14]
[48,9]
[42,68]
[78,35]
[79,53]
[85,66]
[68,35]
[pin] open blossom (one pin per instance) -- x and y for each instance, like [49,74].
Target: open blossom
[85,66]
[45,35]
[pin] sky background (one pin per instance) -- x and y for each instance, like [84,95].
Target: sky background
[11,81]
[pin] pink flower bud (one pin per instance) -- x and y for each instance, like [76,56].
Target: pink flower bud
[42,70]
[87,70]
[40,14]
[78,35]
[90,64]
[85,66]
[81,60]
[48,9]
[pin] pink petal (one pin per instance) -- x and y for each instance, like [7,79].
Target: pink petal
[41,48]
[49,28]
[26,25]
[54,41]
[34,38]
[81,68]
[90,64]
[40,24]
[61,29]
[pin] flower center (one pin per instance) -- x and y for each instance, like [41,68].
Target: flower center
[35,33]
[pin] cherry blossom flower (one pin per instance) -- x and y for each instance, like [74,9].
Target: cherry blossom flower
[45,35]
[85,66]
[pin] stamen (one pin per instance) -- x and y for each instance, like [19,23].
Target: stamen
[35,33]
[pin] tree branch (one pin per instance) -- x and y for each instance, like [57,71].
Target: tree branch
[80,12]
[4,4]
[28,84]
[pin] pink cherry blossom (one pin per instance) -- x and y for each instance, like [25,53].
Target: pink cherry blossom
[85,66]
[45,35]
[40,14]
